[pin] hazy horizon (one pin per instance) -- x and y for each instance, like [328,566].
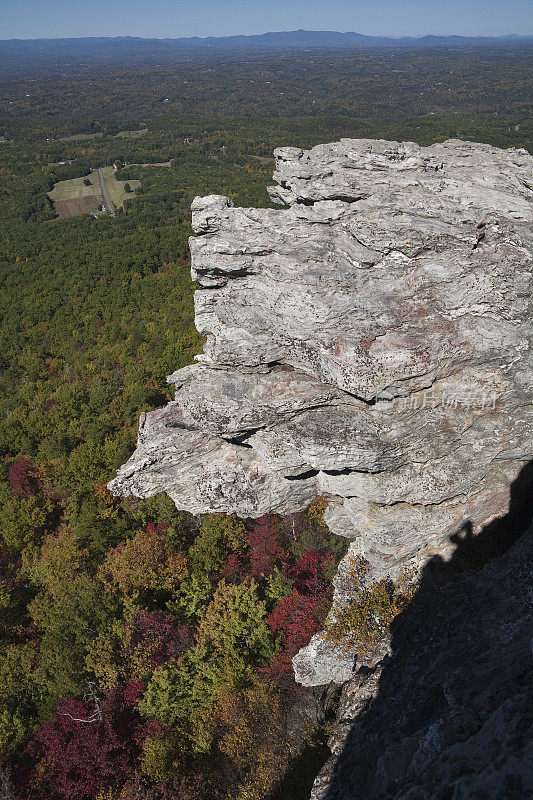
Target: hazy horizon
[163,19]
[262,33]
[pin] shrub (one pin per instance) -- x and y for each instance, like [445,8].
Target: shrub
[359,624]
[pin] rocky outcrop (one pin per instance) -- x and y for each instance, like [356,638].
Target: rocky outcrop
[444,708]
[368,343]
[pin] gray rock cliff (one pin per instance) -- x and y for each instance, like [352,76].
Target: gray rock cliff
[368,343]
[445,709]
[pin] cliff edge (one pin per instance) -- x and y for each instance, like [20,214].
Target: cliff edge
[368,343]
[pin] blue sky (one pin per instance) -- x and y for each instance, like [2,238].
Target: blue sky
[161,18]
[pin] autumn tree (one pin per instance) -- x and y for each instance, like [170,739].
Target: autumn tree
[82,750]
[144,570]
[232,638]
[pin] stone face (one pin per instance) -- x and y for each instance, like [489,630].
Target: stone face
[443,708]
[232,403]
[369,342]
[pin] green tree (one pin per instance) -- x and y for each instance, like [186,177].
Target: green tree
[232,639]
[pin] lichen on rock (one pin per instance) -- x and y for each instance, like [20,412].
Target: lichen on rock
[368,343]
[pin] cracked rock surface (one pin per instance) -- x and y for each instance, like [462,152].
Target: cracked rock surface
[444,708]
[369,343]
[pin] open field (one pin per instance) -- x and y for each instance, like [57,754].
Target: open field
[72,198]
[75,188]
[76,206]
[264,159]
[79,137]
[132,134]
[156,164]
[115,188]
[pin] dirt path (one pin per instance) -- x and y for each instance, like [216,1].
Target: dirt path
[108,204]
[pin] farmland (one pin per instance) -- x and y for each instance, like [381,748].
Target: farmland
[115,188]
[73,197]
[79,137]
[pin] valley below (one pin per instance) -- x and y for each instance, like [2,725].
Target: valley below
[265,483]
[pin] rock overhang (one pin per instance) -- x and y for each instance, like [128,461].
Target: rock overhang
[369,342]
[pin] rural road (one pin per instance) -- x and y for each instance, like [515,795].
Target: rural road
[108,204]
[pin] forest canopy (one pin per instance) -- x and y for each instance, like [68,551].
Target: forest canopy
[143,649]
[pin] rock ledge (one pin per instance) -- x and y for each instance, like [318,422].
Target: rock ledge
[368,343]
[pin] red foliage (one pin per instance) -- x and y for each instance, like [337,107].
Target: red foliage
[295,620]
[22,480]
[264,546]
[160,636]
[307,574]
[71,758]
[235,568]
[161,527]
[296,617]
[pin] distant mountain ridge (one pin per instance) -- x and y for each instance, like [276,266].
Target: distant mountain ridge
[273,39]
[21,55]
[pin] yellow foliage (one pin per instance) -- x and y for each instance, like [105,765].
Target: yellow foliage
[107,794]
[158,759]
[106,653]
[116,794]
[316,510]
[23,519]
[115,657]
[255,741]
[144,563]
[358,625]
[234,619]
[58,562]
[108,502]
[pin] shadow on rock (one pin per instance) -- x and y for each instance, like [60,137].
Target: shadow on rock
[449,713]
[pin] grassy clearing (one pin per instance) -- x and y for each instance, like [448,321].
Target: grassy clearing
[75,188]
[79,137]
[132,134]
[72,198]
[156,164]
[116,189]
